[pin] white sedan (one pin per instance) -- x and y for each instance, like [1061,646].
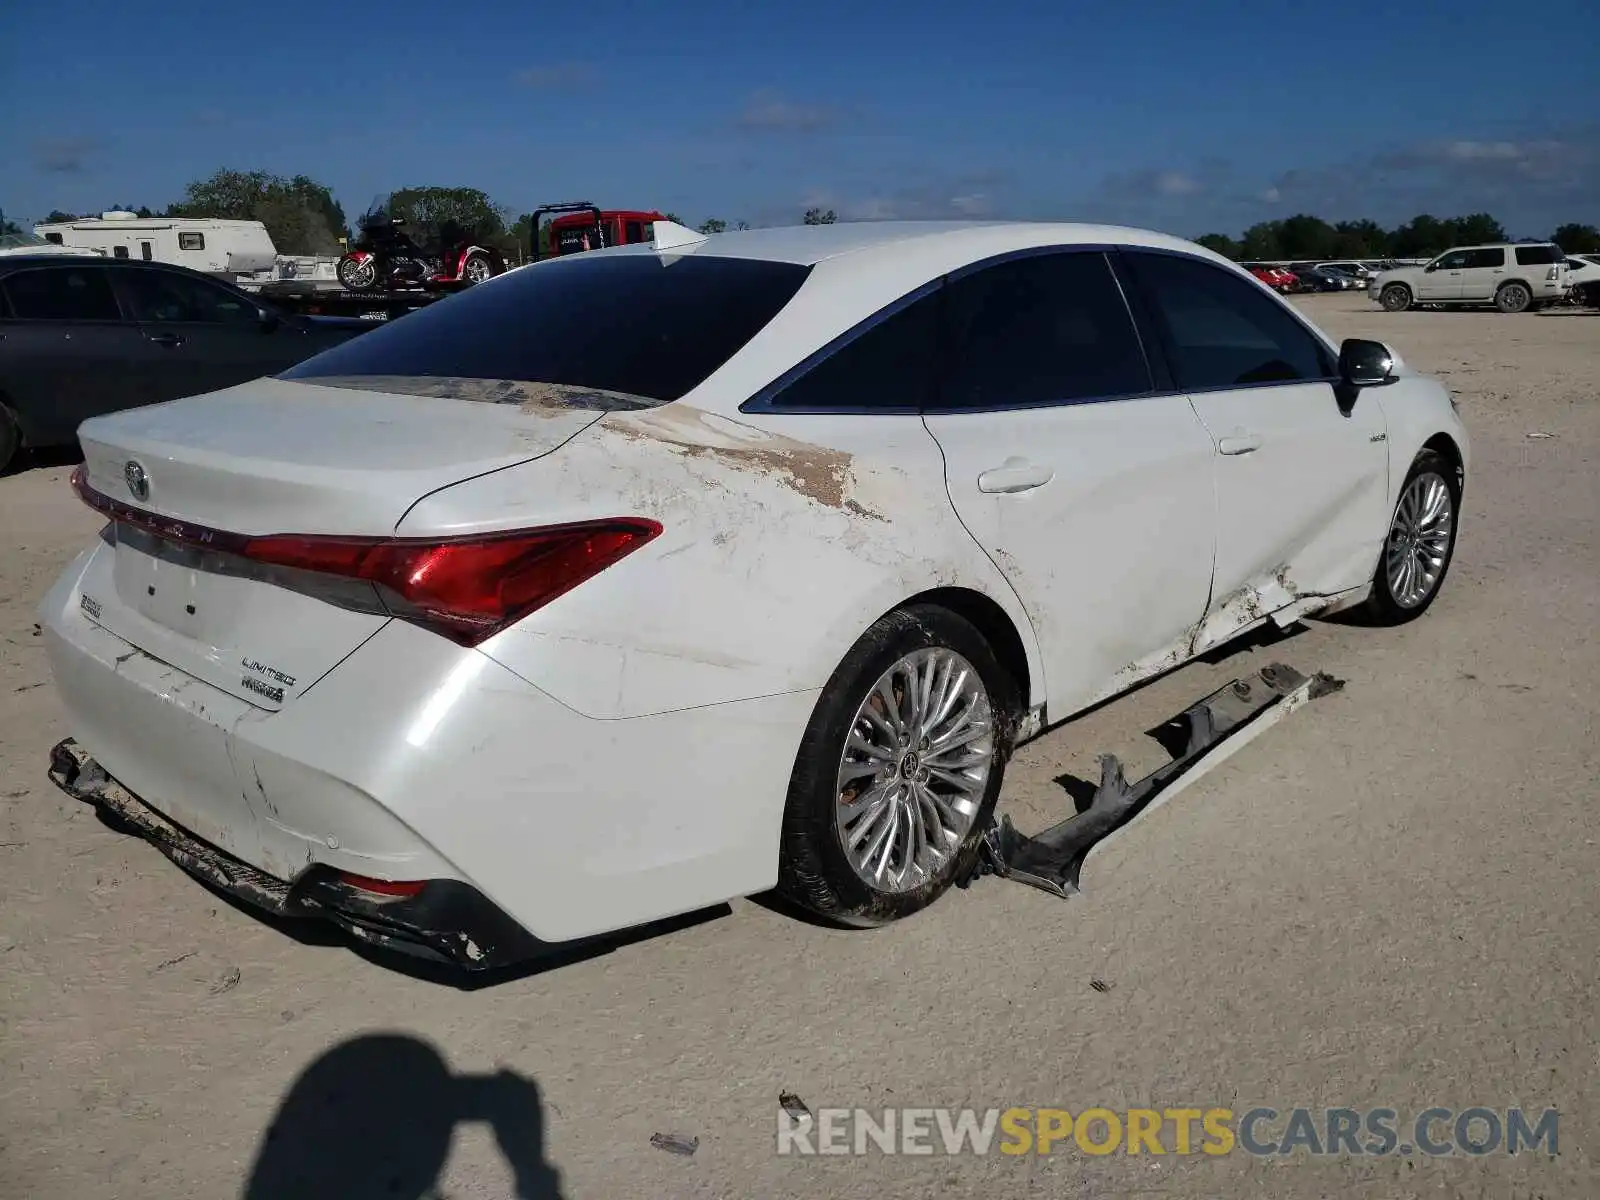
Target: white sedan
[635,581]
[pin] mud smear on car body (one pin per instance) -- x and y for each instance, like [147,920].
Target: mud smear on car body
[815,472]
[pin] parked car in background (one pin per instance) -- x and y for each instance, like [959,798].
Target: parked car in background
[80,337]
[1350,283]
[1356,270]
[1514,277]
[1583,279]
[505,625]
[1279,279]
[12,244]
[1315,279]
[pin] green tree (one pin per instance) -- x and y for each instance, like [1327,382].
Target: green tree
[713,225]
[300,214]
[1421,237]
[816,216]
[741,224]
[1477,228]
[1222,244]
[1359,239]
[1261,243]
[57,217]
[1577,239]
[1303,236]
[425,209]
[8,226]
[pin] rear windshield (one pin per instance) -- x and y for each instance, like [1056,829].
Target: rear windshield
[642,325]
[1539,256]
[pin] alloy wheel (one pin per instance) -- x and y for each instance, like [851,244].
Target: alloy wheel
[1419,540]
[914,769]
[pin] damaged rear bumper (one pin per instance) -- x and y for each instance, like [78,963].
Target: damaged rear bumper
[446,920]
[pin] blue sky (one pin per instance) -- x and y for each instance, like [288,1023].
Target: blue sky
[1188,117]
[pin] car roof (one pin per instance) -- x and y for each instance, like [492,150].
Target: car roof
[808,245]
[9,262]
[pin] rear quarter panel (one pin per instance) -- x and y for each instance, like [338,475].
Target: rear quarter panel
[784,539]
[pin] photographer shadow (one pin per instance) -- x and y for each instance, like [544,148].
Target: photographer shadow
[375,1116]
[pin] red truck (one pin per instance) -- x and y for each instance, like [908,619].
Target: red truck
[582,226]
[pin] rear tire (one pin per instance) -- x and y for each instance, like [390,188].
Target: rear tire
[10,440]
[1513,298]
[477,268]
[1395,298]
[1423,530]
[859,781]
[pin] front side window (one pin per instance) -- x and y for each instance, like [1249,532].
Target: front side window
[889,366]
[644,325]
[1220,331]
[191,241]
[1538,256]
[635,232]
[1486,259]
[1454,261]
[162,298]
[1044,329]
[62,294]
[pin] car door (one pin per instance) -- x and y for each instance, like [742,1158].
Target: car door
[65,349]
[1302,471]
[1090,489]
[1442,278]
[207,336]
[1483,274]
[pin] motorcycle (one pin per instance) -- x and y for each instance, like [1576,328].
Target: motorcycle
[385,258]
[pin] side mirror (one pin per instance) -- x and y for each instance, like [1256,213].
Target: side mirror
[1365,364]
[1433,266]
[270,320]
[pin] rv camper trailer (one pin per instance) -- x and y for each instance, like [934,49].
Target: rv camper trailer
[217,247]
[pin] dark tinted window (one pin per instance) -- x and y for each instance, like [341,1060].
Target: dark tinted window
[643,324]
[1039,330]
[635,232]
[1477,259]
[891,365]
[1539,256]
[62,294]
[165,298]
[119,252]
[1454,261]
[1222,331]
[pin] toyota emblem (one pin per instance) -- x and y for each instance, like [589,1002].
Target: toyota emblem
[138,481]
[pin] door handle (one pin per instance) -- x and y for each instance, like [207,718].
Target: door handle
[1014,475]
[1240,443]
[165,339]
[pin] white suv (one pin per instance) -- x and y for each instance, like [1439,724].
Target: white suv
[1512,277]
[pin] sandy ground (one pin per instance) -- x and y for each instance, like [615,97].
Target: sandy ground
[1389,900]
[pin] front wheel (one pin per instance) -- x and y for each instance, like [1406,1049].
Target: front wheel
[1420,544]
[1513,298]
[898,771]
[357,273]
[1395,298]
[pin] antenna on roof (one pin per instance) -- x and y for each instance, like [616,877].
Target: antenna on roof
[669,235]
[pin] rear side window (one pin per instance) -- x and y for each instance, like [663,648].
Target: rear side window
[62,294]
[1222,332]
[1539,256]
[889,366]
[1483,259]
[1045,329]
[160,297]
[646,325]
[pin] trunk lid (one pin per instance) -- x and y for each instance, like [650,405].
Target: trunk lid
[273,457]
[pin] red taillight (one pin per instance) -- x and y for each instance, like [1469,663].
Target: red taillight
[381,887]
[467,589]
